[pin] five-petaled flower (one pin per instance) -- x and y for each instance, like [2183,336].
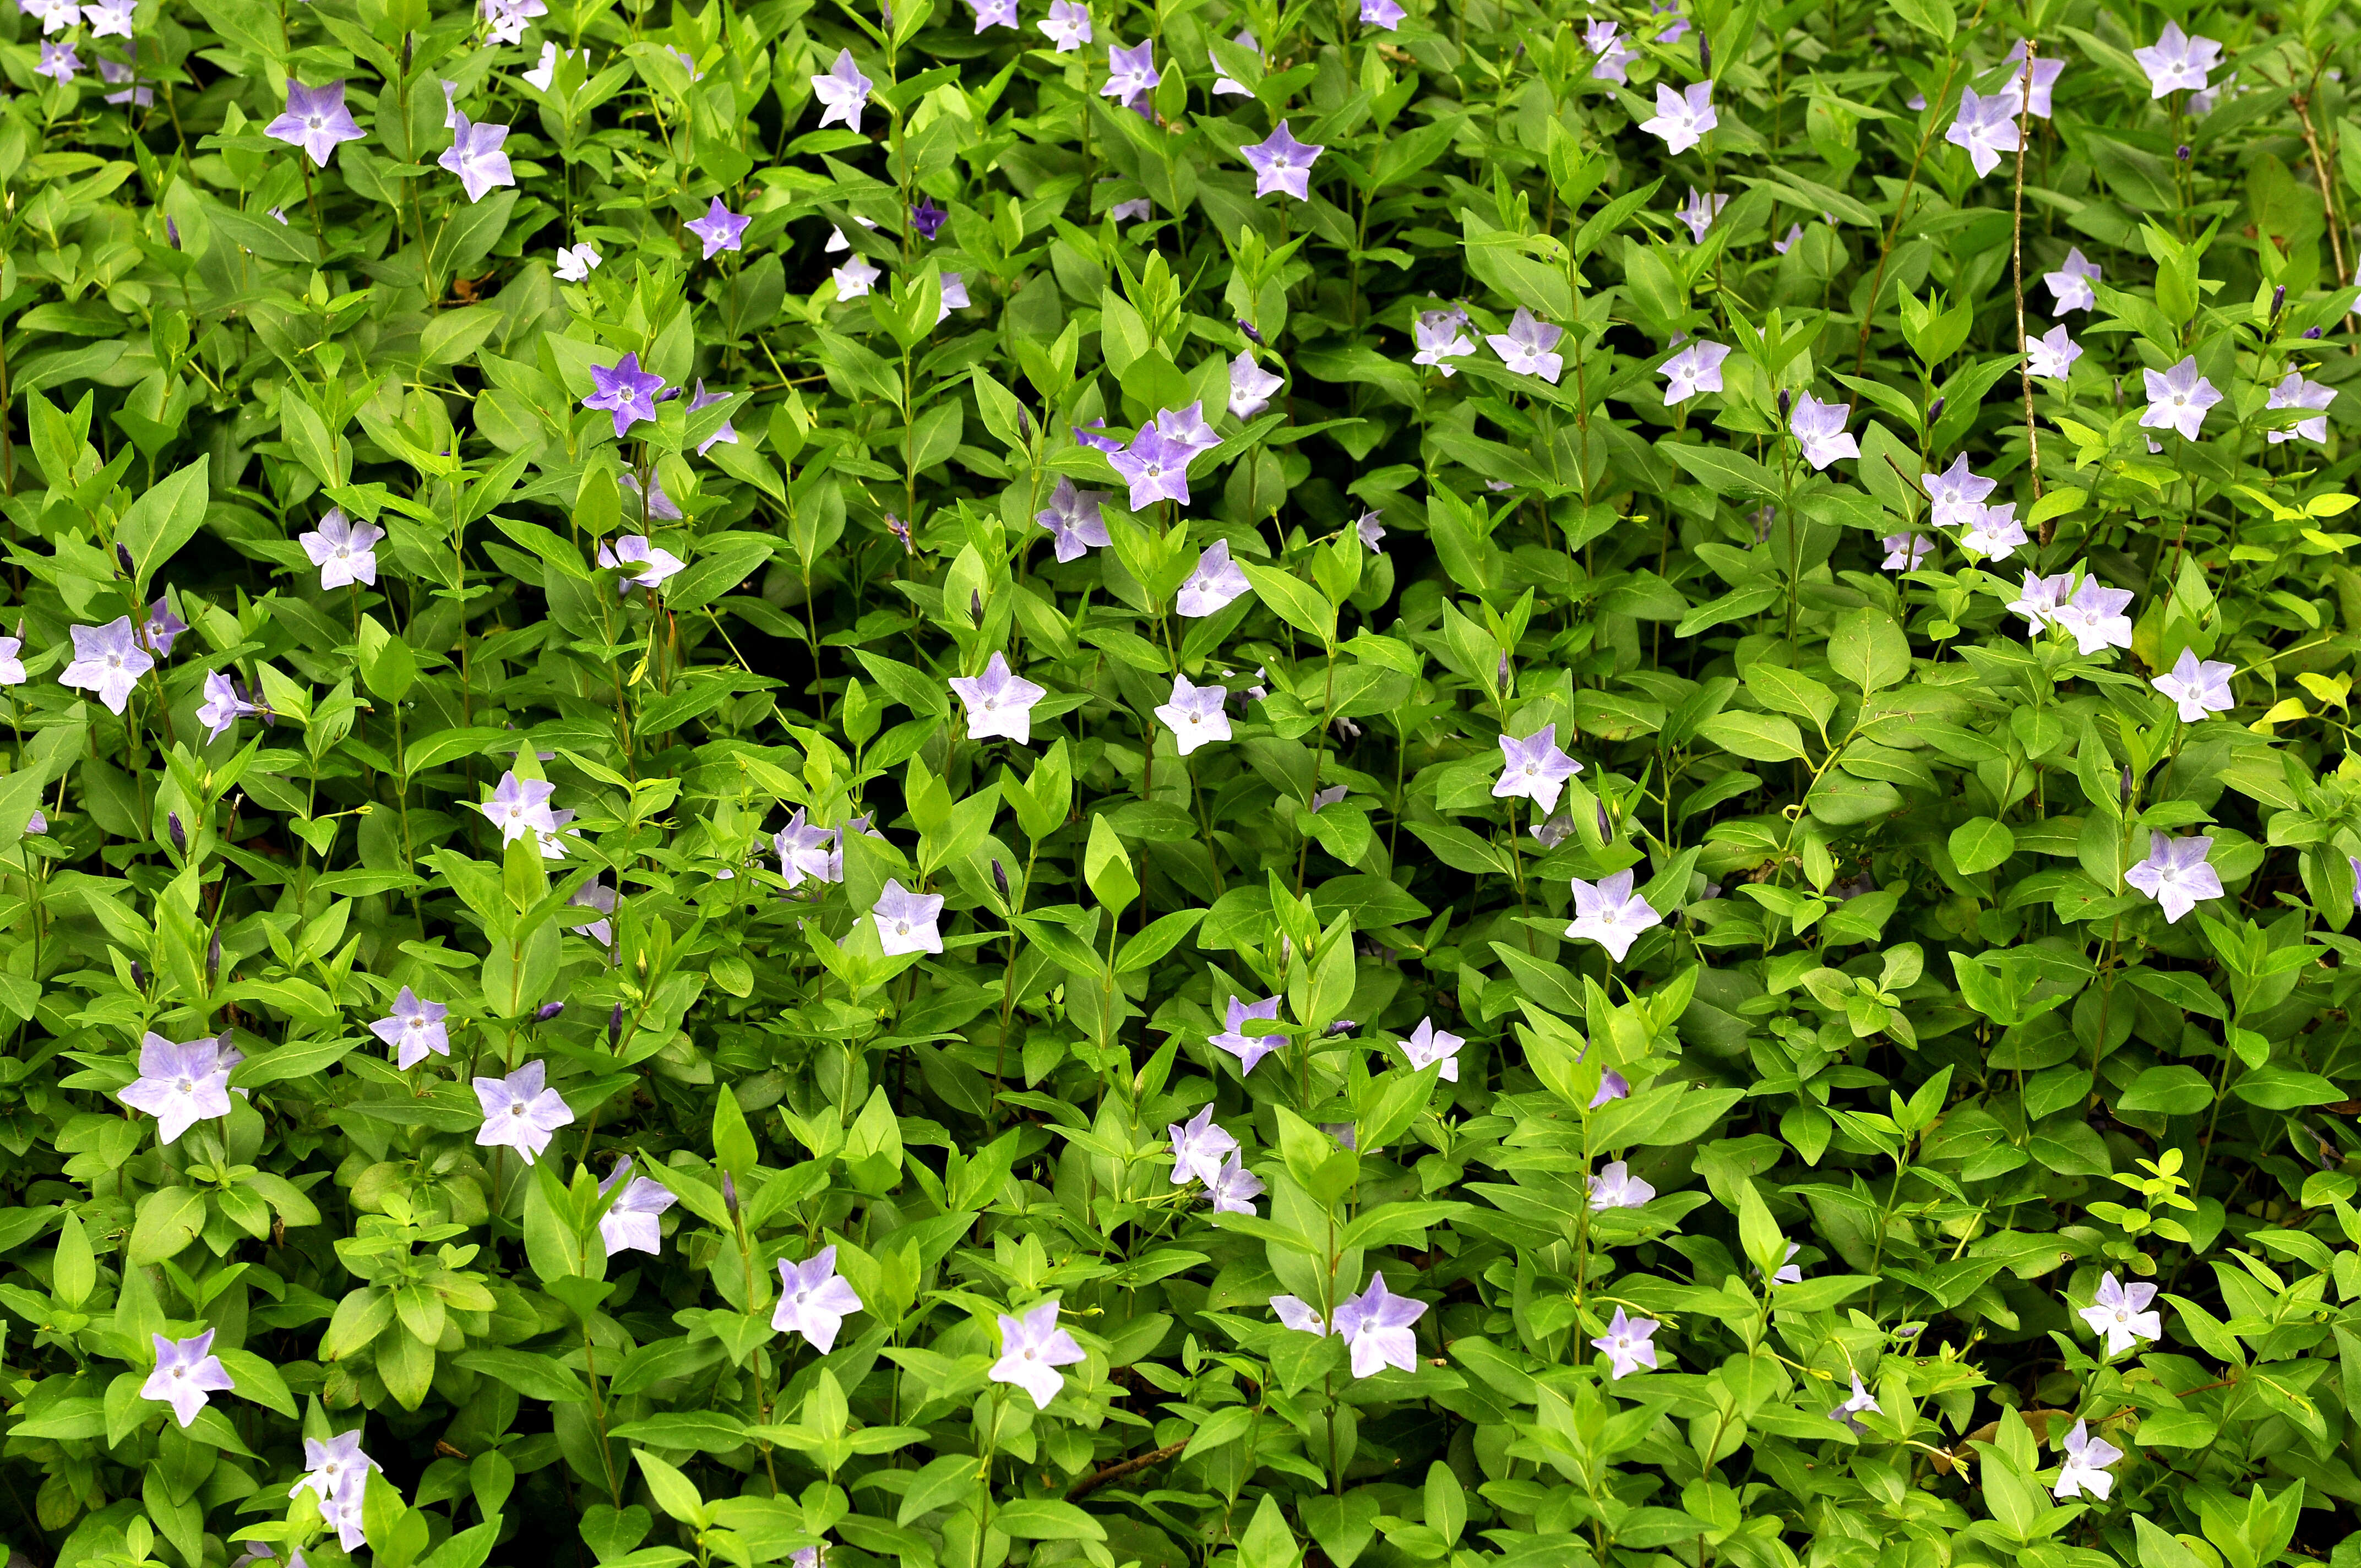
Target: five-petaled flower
[475,155]
[179,1085]
[633,1222]
[2071,285]
[186,1372]
[2176,61]
[1281,163]
[1250,385]
[999,702]
[2051,357]
[315,120]
[1985,127]
[1534,768]
[1199,1148]
[842,90]
[2122,1312]
[1075,523]
[521,1110]
[640,563]
[1248,1048]
[1605,40]
[414,1028]
[1375,1328]
[1682,118]
[1697,369]
[624,390]
[344,552]
[108,661]
[1195,715]
[2177,874]
[2295,392]
[719,229]
[1032,1348]
[905,920]
[2178,398]
[1819,430]
[1630,1344]
[1859,1401]
[814,1300]
[1426,1045]
[1609,913]
[1613,1186]
[2201,686]
[2085,1469]
[1526,347]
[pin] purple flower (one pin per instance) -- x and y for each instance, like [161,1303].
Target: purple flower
[413,1029]
[1248,1048]
[521,1110]
[2038,599]
[508,18]
[1697,369]
[1156,466]
[2176,874]
[925,217]
[1033,1347]
[630,1224]
[222,708]
[720,229]
[1985,127]
[1371,530]
[1087,436]
[905,920]
[1074,522]
[1222,84]
[1612,1086]
[2199,688]
[854,279]
[1698,212]
[1297,1313]
[1382,14]
[59,64]
[109,21]
[1375,1326]
[1682,118]
[2122,1313]
[186,1370]
[1605,40]
[1534,768]
[1905,551]
[1850,1411]
[315,120]
[625,391]
[2050,357]
[1283,164]
[2177,62]
[333,1468]
[993,14]
[1819,430]
[2041,78]
[1199,1148]
[1195,715]
[1609,913]
[543,75]
[109,660]
[1678,30]
[1068,26]
[344,552]
[640,562]
[1131,72]
[2087,1459]
[1995,533]
[1442,336]
[1234,1188]
[576,262]
[999,702]
[2295,392]
[1428,1045]
[1216,582]
[813,1300]
[2070,284]
[843,89]
[808,852]
[1794,232]
[1790,1272]
[12,668]
[2178,398]
[518,807]
[161,628]
[1251,386]
[954,297]
[475,155]
[726,434]
[1525,347]
[2095,618]
[1628,1344]
[179,1085]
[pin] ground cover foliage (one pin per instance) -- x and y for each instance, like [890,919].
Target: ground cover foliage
[1217,784]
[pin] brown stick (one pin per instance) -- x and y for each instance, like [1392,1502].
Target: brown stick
[2016,259]
[1119,1471]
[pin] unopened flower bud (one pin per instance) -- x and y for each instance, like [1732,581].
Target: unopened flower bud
[2279,301]
[179,834]
[213,961]
[975,606]
[2313,332]
[547,1010]
[1705,55]
[2124,788]
[1606,825]
[1935,410]
[1286,950]
[408,46]
[729,1195]
[1786,400]
[2181,152]
[1253,336]
[615,1027]
[1342,1026]
[138,976]
[1024,423]
[1501,679]
[172,231]
[1000,881]
[123,558]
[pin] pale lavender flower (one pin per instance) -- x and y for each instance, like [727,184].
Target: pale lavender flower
[2070,284]
[344,552]
[1609,913]
[521,1110]
[179,1085]
[726,434]
[2122,1313]
[59,62]
[186,1372]
[640,562]
[140,95]
[110,20]
[2095,618]
[475,155]
[1819,430]
[633,1222]
[1382,14]
[2295,392]
[1697,369]
[993,14]
[1370,531]
[1250,385]
[2087,1458]
[1234,1188]
[1281,163]
[222,708]
[1131,72]
[1790,1272]
[953,297]
[1032,1347]
[1295,1312]
[2051,357]
[576,262]
[1905,551]
[2038,599]
[1612,1086]
[999,702]
[1323,798]
[1995,533]
[543,75]
[2041,78]
[843,89]
[2178,398]
[12,667]
[1195,715]
[508,18]
[518,807]
[1604,39]
[1794,232]
[2177,62]
[855,278]
[1698,212]
[1682,119]
[1199,1148]
[720,229]
[2176,874]
[414,1028]
[1850,1411]
[2200,688]
[1680,25]
[814,1300]
[451,116]
[656,506]
[334,1467]
[1629,1344]
[1375,1327]
[1074,522]
[1985,128]
[1441,337]
[1248,1048]
[1525,347]
[1222,83]
[1156,466]
[254,1551]
[1068,26]
[905,920]
[1957,494]
[808,852]
[1613,1186]
[1188,427]
[315,120]
[1534,768]
[56,15]
[108,661]
[926,217]
[161,628]
[1428,1045]
[624,390]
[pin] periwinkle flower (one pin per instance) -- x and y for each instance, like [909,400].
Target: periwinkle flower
[1819,430]
[2178,398]
[1371,530]
[508,18]
[108,660]
[317,120]
[333,1467]
[999,702]
[1156,466]
[1697,213]
[2200,686]
[2038,598]
[518,807]
[186,1372]
[1250,385]
[1629,1344]
[475,155]
[1281,163]
[1605,40]
[1905,551]
[543,74]
[1248,1048]
[928,218]
[1612,1086]
[2123,1314]
[1375,1328]
[179,1085]
[1985,127]
[1441,337]
[576,262]
[993,14]
[1234,1188]
[1426,1045]
[814,1300]
[1032,1348]
[719,229]
[1382,14]
[1195,715]
[2085,1469]
[842,91]
[1526,347]
[727,435]
[1225,86]
[59,64]
[2295,392]
[1995,533]
[1068,26]
[344,552]
[111,19]
[1199,1148]
[808,852]
[640,563]
[855,278]
[2070,284]
[624,390]
[521,1110]
[2095,618]
[414,1028]
[1534,768]
[1794,232]
[1073,519]
[161,628]
[1849,1412]
[1608,912]
[2176,61]
[1131,72]
[1697,369]
[1613,1186]
[2051,357]
[633,1222]
[12,667]
[2176,874]
[905,920]
[2040,80]
[1683,119]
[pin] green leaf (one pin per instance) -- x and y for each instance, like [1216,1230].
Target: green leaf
[1979,843]
[164,517]
[1758,736]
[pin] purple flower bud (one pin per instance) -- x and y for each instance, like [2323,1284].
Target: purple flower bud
[729,1195]
[1000,881]
[615,1027]
[1024,423]
[2279,301]
[1935,410]
[2181,152]
[1286,950]
[1501,679]
[172,231]
[408,46]
[2124,789]
[122,557]
[138,976]
[180,835]
[1248,328]
[901,531]
[547,1010]
[1606,826]
[1787,401]
[1705,55]
[975,606]
[2313,332]
[1342,1026]
[213,961]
